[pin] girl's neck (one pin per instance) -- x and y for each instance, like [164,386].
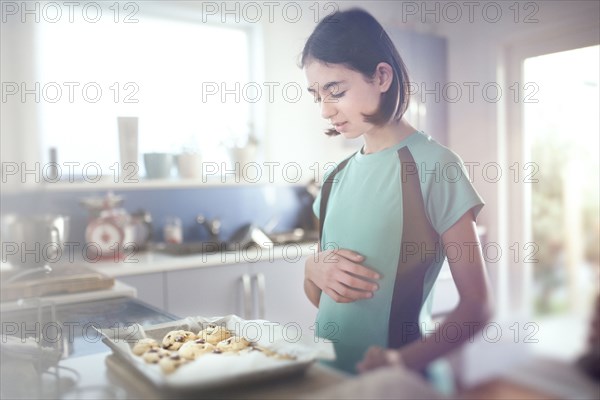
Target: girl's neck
[381,138]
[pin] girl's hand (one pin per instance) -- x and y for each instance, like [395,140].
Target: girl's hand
[340,275]
[377,357]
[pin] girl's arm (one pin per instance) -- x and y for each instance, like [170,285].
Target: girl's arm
[312,291]
[471,314]
[340,275]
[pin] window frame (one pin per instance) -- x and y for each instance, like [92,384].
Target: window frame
[185,13]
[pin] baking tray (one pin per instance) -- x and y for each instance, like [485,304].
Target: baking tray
[217,371]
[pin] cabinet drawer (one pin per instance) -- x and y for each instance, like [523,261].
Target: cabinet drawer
[150,288]
[205,292]
[283,297]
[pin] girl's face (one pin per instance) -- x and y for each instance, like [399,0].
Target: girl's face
[345,95]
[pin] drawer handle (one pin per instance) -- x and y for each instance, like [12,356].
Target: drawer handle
[247,286]
[260,283]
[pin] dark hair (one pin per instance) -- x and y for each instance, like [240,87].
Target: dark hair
[355,39]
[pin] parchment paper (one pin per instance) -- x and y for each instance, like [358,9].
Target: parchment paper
[214,370]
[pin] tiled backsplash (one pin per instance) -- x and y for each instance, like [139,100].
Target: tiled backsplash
[233,205]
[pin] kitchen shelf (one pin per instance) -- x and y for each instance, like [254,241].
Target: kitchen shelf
[147,184]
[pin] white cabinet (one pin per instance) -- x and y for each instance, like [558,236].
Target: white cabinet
[206,291]
[281,298]
[150,287]
[271,290]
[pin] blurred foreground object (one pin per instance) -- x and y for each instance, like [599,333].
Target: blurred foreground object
[590,361]
[383,383]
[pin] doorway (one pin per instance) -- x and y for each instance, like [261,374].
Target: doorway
[561,128]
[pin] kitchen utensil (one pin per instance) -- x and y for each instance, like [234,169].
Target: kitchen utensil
[109,229]
[172,231]
[35,240]
[158,165]
[295,236]
[96,204]
[109,234]
[248,234]
[141,222]
[212,226]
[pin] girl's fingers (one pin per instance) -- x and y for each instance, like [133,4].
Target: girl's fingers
[343,279]
[350,255]
[360,271]
[337,297]
[350,293]
[354,267]
[356,283]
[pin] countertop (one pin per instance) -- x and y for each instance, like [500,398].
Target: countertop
[101,375]
[151,262]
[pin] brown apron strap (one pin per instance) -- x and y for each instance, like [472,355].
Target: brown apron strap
[325,192]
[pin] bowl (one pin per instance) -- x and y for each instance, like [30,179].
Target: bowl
[158,165]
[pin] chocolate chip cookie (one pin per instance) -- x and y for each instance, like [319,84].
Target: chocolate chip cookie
[175,339]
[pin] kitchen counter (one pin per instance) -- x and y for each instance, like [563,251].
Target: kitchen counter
[101,375]
[151,262]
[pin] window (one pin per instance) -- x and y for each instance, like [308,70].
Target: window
[565,196]
[156,69]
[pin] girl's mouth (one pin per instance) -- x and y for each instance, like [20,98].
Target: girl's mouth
[339,125]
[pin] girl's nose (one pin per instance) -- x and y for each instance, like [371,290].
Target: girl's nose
[328,109]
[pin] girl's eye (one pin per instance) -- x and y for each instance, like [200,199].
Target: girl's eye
[331,95]
[338,95]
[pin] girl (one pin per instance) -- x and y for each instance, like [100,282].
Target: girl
[386,213]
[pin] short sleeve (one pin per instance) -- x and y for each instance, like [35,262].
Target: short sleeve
[317,203]
[450,192]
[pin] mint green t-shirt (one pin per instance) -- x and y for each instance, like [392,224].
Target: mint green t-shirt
[392,207]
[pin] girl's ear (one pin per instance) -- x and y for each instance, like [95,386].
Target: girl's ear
[384,74]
